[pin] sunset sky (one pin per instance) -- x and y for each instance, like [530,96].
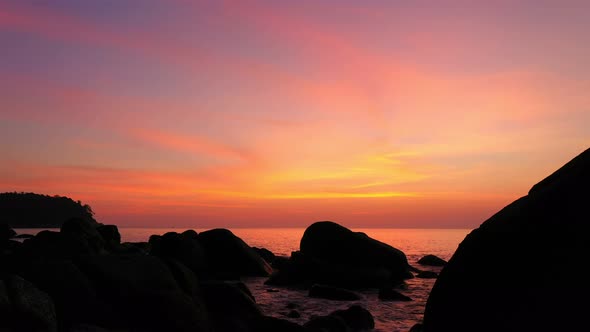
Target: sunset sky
[280,113]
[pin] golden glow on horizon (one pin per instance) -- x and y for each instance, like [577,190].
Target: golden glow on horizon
[413,115]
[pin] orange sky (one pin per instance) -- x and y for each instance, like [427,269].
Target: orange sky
[204,114]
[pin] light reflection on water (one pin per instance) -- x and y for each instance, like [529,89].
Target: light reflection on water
[389,316]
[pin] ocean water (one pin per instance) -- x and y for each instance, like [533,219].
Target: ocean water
[389,316]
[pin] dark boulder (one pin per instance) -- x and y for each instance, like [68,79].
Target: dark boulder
[293,314]
[418,327]
[328,323]
[85,230]
[184,248]
[333,293]
[514,272]
[6,233]
[5,307]
[73,294]
[388,294]
[332,254]
[356,317]
[142,293]
[231,306]
[431,260]
[33,309]
[54,245]
[266,254]
[427,275]
[272,324]
[230,257]
[110,235]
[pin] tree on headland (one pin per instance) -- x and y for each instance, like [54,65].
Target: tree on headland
[30,210]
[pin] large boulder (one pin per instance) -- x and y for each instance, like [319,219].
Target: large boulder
[6,233]
[33,309]
[54,245]
[230,257]
[85,230]
[516,271]
[72,292]
[184,248]
[332,254]
[231,306]
[110,235]
[142,293]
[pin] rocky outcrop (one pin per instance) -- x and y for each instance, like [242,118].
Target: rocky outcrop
[514,272]
[332,254]
[432,260]
[355,318]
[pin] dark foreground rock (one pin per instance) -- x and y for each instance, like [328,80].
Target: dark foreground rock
[333,293]
[431,260]
[514,273]
[31,309]
[355,318]
[332,254]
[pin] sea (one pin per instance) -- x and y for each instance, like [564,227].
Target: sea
[389,316]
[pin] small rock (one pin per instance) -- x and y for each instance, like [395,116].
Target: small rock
[293,314]
[388,294]
[432,260]
[356,317]
[427,275]
[333,293]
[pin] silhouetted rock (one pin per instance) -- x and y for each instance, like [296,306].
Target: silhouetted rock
[418,327]
[231,306]
[110,235]
[432,260]
[266,254]
[85,230]
[427,275]
[293,314]
[328,323]
[332,254]
[388,294]
[6,233]
[142,293]
[33,309]
[51,245]
[514,273]
[272,324]
[73,294]
[333,293]
[183,247]
[29,210]
[356,317]
[230,257]
[5,307]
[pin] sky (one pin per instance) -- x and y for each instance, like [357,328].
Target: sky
[179,113]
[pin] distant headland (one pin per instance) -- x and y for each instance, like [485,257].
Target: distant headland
[30,210]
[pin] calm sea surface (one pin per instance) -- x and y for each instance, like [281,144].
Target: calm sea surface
[389,316]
